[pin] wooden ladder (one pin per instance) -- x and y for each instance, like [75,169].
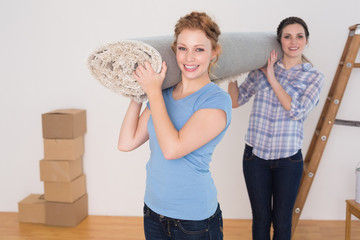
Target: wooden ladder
[327,119]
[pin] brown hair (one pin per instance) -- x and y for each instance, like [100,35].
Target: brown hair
[199,21]
[293,20]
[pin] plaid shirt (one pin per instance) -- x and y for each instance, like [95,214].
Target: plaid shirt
[274,132]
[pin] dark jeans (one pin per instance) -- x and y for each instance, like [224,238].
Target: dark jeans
[272,187]
[158,227]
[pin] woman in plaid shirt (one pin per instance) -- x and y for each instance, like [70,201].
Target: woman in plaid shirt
[284,94]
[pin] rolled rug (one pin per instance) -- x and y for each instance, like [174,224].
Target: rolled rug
[113,64]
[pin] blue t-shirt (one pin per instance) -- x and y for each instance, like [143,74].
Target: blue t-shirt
[183,188]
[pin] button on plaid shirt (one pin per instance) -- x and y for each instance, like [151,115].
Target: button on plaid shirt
[274,132]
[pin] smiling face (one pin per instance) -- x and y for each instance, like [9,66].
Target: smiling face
[193,54]
[293,40]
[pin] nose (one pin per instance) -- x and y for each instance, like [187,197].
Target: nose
[190,56]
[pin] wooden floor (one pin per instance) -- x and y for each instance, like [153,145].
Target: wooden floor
[130,228]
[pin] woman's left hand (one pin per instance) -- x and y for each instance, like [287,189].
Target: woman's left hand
[282,95]
[269,70]
[148,79]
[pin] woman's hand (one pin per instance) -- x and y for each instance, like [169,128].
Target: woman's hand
[281,94]
[269,70]
[148,79]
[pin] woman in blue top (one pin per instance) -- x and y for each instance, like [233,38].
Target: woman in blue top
[183,124]
[285,92]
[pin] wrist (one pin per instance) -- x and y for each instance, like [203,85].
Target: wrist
[154,93]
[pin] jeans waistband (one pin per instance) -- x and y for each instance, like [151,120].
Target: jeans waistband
[248,147]
[169,218]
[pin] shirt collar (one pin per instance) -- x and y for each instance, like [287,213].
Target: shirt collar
[304,66]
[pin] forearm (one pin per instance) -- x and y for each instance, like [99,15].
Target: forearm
[281,94]
[129,127]
[233,91]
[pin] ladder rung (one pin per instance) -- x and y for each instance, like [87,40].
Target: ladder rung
[347,123]
[355,65]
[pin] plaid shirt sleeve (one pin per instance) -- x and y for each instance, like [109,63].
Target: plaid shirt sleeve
[304,100]
[248,88]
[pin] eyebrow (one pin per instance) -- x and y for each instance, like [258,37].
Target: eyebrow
[198,45]
[296,34]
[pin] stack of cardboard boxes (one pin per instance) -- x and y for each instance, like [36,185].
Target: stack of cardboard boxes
[65,200]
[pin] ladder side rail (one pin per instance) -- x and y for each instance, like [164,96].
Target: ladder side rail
[313,156]
[331,92]
[340,66]
[326,121]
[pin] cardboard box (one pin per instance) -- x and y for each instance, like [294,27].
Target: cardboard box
[59,170]
[64,123]
[66,214]
[65,191]
[63,149]
[32,209]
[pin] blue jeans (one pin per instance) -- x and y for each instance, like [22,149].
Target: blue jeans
[272,187]
[158,227]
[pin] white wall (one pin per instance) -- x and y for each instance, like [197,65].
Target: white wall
[44,47]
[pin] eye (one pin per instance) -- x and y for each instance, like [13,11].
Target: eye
[199,50]
[287,37]
[300,36]
[181,48]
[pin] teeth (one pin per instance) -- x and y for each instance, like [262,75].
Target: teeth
[191,67]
